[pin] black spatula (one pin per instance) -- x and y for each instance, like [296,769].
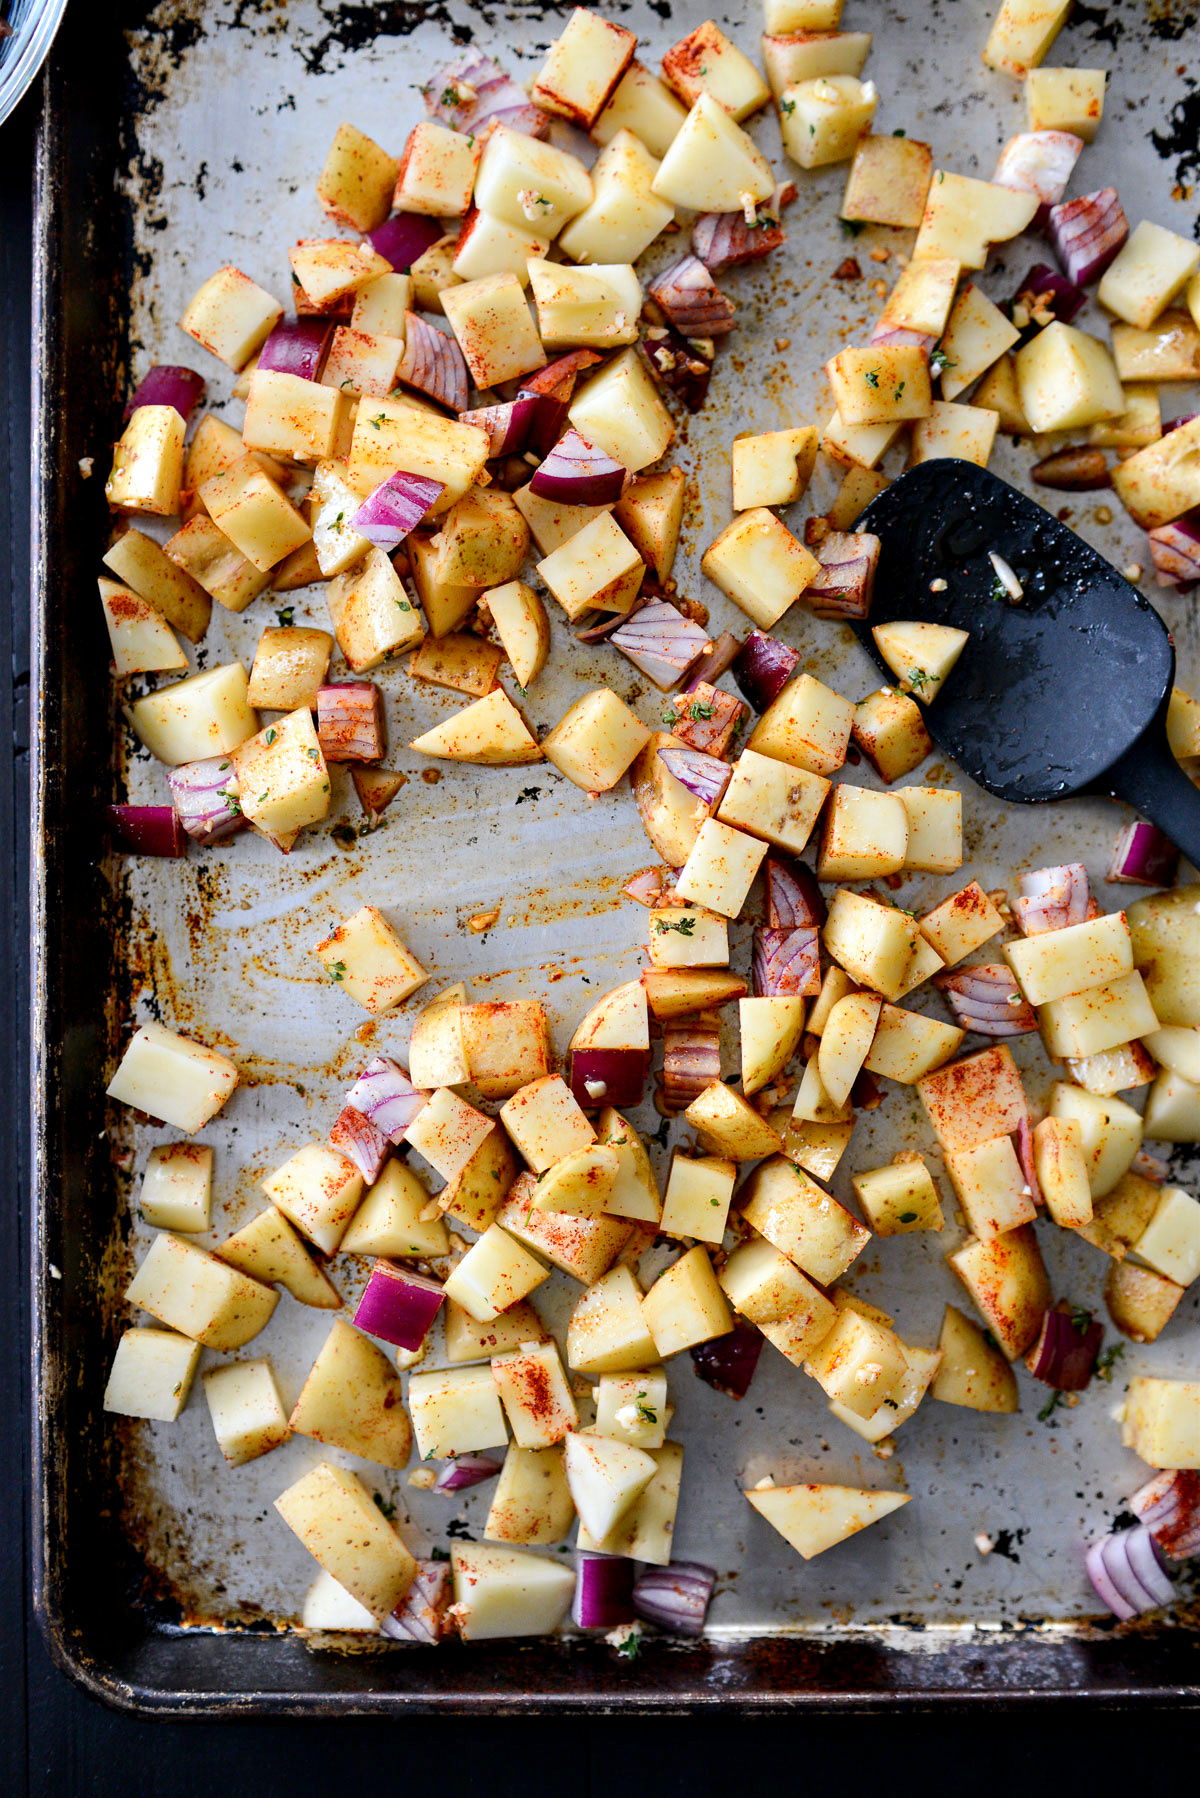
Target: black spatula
[1062,692]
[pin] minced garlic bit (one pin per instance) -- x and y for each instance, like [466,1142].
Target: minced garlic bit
[595,1089]
[1005,576]
[627,1417]
[617,1638]
[86,465]
[984,1544]
[1104,515]
[884,1450]
[783,343]
[55,1272]
[1132,572]
[423,1478]
[766,1484]
[483,920]
[881,255]
[938,586]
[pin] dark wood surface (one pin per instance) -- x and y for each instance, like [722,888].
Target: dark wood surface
[54,1740]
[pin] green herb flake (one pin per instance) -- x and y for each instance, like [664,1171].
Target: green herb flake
[379,420]
[271,735]
[787,107]
[438,1554]
[644,1411]
[907,1217]
[900,132]
[1050,1407]
[939,361]
[385,1505]
[900,390]
[941,175]
[670,715]
[685,926]
[451,97]
[999,591]
[701,713]
[918,679]
[232,801]
[285,617]
[312,753]
[871,377]
[337,970]
[1107,1360]
[632,1646]
[1081,1320]
[403,605]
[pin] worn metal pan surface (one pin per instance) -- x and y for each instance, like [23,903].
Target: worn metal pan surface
[182,136]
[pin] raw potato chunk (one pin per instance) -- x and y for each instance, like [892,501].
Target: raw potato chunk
[142,565]
[581,1184]
[1173,1109]
[371,613]
[889,179]
[1066,379]
[1150,269]
[289,669]
[965,432]
[964,217]
[545,1122]
[858,446]
[773,469]
[934,816]
[231,316]
[907,1046]
[319,1190]
[635,1194]
[599,569]
[1140,1303]
[456,1411]
[495,1273]
[859,1364]
[1168,351]
[330,269]
[1090,1023]
[502,1592]
[475,1194]
[355,185]
[204,554]
[551,523]
[294,419]
[1170,1243]
[874,943]
[817,1148]
[483,541]
[596,741]
[255,514]
[595,306]
[697,1198]
[536,1397]
[619,410]
[997,391]
[176,1190]
[1022,33]
[806,724]
[1062,1171]
[920,1367]
[757,563]
[973,1372]
[247,1413]
[605,1478]
[205,715]
[492,322]
[880,383]
[175,1080]
[448,1132]
[975,1099]
[1141,422]
[1165,934]
[1057,963]
[507,1045]
[191,1291]
[720,869]
[522,627]
[364,364]
[685,1305]
[462,662]
[706,62]
[608,1332]
[814,1518]
[343,1528]
[524,182]
[142,640]
[624,216]
[793,55]
[531,1504]
[583,68]
[584,1247]
[801,1220]
[469,1340]
[845,1043]
[864,835]
[269,1249]
[991,1187]
[859,487]
[330,1609]
[769,1032]
[282,780]
[813,1103]
[1162,1421]
[1008,1282]
[643,106]
[436,171]
[151,1374]
[1111,1133]
[650,512]
[1066,100]
[922,655]
[711,165]
[976,335]
[632,1408]
[646,1530]
[394,433]
[491,732]
[822,120]
[776,1297]
[366,958]
[899,1198]
[961,924]
[922,297]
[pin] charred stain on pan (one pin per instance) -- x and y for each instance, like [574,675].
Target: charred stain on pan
[1181,141]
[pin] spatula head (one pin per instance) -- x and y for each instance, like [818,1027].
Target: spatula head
[1050,690]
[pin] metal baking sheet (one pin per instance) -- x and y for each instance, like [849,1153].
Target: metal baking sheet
[228,110]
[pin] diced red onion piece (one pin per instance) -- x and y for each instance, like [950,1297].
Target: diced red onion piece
[1040,163]
[576,473]
[1052,898]
[691,1062]
[433,364]
[552,388]
[1146,1563]
[1073,470]
[473,89]
[350,722]
[794,899]
[361,1141]
[704,775]
[1175,551]
[707,718]
[614,1077]
[1176,424]
[398,1305]
[384,1093]
[464,1471]
[168,384]
[678,365]
[675,1597]
[844,586]
[206,798]
[723,239]
[987,1000]
[715,661]
[396,506]
[1125,1580]
[603,1591]
[1169,1507]
[1150,1167]
[404,238]
[296,347]
[1143,857]
[612,622]
[1102,1581]
[1064,1355]
[1023,1137]
[727,1363]
[420,1616]
[507,426]
[884,332]
[763,668]
[647,886]
[691,300]
[1087,233]
[147,830]
[661,642]
[787,963]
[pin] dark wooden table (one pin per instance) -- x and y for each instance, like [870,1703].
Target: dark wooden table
[54,1740]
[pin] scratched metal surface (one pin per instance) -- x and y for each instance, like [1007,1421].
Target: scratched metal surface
[233,108]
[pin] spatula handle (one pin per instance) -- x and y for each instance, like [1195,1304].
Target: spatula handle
[1150,779]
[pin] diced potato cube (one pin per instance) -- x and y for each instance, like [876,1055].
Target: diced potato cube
[434,271]
[502,1592]
[907,1046]
[467,1340]
[1066,100]
[1150,269]
[447,1132]
[151,1374]
[650,512]
[998,393]
[845,1043]
[1089,1023]
[632,1407]
[769,1030]
[147,468]
[1065,379]
[329,269]
[392,434]
[934,817]
[389,1222]
[361,362]
[879,383]
[531,1503]
[1173,1109]
[619,410]
[487,246]
[1170,1243]
[356,182]
[962,923]
[1168,351]
[371,613]
[991,1187]
[973,1372]
[685,1305]
[580,1184]
[889,178]
[1111,1133]
[341,1525]
[1162,1421]
[596,740]
[964,217]
[329,1609]
[172,1078]
[142,565]
[191,1291]
[975,1099]
[1022,32]
[142,640]
[873,942]
[204,554]
[1141,422]
[720,870]
[1140,1303]
[1062,1171]
[1056,963]
[688,937]
[605,1477]
[899,1198]
[607,1332]
[801,15]
[772,1293]
[773,469]
[526,183]
[552,524]
[545,1122]
[282,778]
[436,173]
[697,1198]
[624,216]
[807,724]
[758,564]
[483,541]
[381,307]
[813,1103]
[495,1273]
[1008,1282]
[583,67]
[596,306]
[584,1247]
[268,1249]
[319,1190]
[535,1394]
[706,62]
[645,1532]
[522,626]
[495,331]
[643,106]
[859,1364]
[711,164]
[176,1190]
[923,295]
[247,1413]
[964,432]
[231,316]
[1161,482]
[290,666]
[802,1220]
[772,800]
[823,119]
[292,418]
[801,55]
[814,1518]
[921,654]
[636,1192]
[976,335]
[599,568]
[865,834]
[491,732]
[858,446]
[369,962]
[507,1045]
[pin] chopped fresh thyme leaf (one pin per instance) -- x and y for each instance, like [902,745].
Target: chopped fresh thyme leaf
[336,970]
[701,713]
[285,616]
[451,97]
[1106,1360]
[900,390]
[939,360]
[871,377]
[918,678]
[787,107]
[438,1554]
[231,800]
[1081,1320]
[685,926]
[1050,1407]
[644,1411]
[272,733]
[907,1217]
[632,1646]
